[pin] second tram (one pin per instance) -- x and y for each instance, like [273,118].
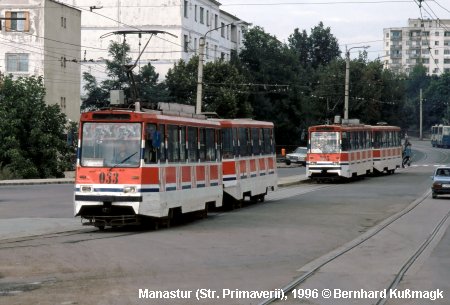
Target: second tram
[351,150]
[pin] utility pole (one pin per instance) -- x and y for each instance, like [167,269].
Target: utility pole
[420,119]
[201,45]
[347,78]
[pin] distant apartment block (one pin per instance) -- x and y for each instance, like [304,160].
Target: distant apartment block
[42,37]
[422,41]
[188,20]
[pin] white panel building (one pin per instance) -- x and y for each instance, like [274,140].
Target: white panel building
[426,41]
[186,19]
[45,43]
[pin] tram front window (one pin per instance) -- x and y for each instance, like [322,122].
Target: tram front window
[111,145]
[325,142]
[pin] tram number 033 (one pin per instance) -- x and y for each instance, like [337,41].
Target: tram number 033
[111,178]
[305,293]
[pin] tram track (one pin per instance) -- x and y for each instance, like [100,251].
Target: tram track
[334,255]
[69,237]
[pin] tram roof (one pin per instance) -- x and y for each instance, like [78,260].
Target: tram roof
[122,115]
[243,123]
[346,127]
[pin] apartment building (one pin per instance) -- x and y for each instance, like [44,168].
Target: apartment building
[422,41]
[188,20]
[46,42]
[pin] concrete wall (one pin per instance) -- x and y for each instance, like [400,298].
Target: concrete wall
[163,51]
[46,42]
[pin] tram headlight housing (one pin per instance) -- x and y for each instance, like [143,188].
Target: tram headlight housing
[86,189]
[129,189]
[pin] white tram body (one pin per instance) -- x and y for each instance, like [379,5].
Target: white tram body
[249,160]
[171,164]
[347,150]
[133,165]
[387,148]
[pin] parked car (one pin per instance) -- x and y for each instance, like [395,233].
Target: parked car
[441,181]
[297,156]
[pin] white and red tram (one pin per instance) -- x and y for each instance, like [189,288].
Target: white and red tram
[249,159]
[133,165]
[387,148]
[351,150]
[171,164]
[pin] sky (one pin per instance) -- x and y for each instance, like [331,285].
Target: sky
[352,22]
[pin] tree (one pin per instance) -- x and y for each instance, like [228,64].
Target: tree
[146,81]
[319,48]
[32,132]
[181,81]
[224,89]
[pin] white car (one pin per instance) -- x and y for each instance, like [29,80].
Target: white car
[297,156]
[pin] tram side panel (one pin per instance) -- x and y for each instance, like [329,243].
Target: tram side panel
[249,162]
[387,148]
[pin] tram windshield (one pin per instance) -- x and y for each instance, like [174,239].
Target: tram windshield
[111,144]
[325,142]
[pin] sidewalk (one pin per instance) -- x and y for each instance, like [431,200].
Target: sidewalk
[70,179]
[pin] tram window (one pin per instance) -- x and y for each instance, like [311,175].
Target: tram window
[210,145]
[202,150]
[345,141]
[173,144]
[236,141]
[255,141]
[267,141]
[192,144]
[376,139]
[182,143]
[218,145]
[227,144]
[162,150]
[243,142]
[152,143]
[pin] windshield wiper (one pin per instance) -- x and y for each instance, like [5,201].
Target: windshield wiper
[124,160]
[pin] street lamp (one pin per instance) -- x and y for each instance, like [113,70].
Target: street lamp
[347,77]
[201,45]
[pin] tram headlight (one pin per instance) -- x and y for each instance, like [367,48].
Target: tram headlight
[129,189]
[86,189]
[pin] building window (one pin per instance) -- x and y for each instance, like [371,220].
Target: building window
[436,52]
[446,61]
[186,9]
[195,44]
[436,33]
[216,21]
[16,62]
[63,22]
[63,62]
[436,43]
[207,18]
[228,32]
[186,43]
[436,61]
[387,35]
[222,29]
[17,25]
[195,12]
[62,103]
[202,19]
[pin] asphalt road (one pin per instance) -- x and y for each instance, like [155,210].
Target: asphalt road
[259,247]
